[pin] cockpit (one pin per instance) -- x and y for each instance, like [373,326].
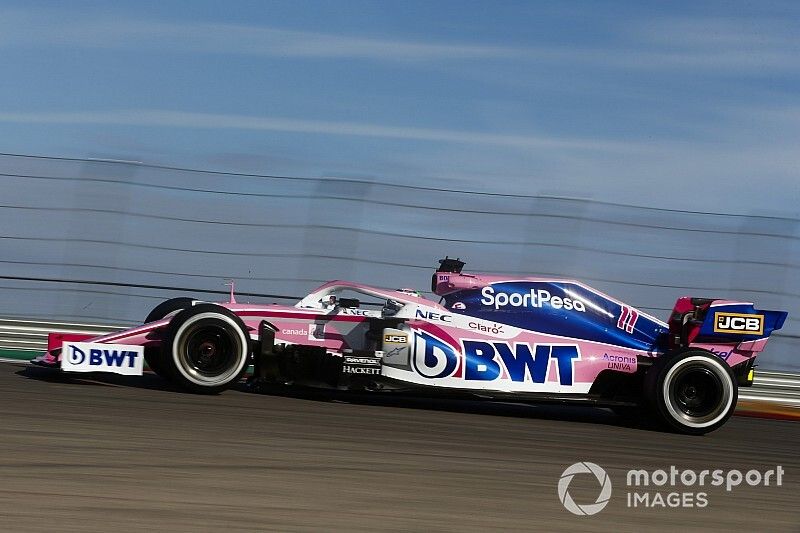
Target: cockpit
[370,301]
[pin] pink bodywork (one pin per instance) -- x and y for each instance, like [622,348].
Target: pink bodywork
[302,324]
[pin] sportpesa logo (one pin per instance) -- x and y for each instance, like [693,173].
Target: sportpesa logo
[535,298]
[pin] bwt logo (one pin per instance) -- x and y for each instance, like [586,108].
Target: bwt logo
[534,298]
[485,361]
[125,359]
[98,357]
[743,324]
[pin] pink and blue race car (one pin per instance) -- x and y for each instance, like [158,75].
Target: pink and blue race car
[525,339]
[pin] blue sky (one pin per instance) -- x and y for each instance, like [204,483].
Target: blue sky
[680,104]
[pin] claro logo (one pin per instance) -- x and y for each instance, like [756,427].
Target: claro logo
[534,298]
[743,324]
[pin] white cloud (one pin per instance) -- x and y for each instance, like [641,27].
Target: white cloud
[719,42]
[181,119]
[49,27]
[674,43]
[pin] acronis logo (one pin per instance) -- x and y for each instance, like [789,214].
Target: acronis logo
[489,361]
[535,298]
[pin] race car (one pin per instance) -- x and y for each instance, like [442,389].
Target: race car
[526,339]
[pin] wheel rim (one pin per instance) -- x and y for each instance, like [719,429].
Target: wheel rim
[698,394]
[209,351]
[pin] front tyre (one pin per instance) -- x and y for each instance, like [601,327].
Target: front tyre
[152,354]
[693,392]
[207,349]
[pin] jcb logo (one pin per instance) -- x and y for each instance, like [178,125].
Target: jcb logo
[738,323]
[395,339]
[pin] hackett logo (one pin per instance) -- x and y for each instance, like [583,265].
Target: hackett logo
[740,323]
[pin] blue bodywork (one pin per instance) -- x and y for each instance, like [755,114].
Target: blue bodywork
[559,308]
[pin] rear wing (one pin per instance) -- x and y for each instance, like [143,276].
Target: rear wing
[705,320]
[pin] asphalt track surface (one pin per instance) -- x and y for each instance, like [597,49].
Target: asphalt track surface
[128,454]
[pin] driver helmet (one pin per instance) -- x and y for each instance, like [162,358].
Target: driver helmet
[412,292]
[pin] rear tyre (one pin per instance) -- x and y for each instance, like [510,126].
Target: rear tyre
[692,392]
[152,355]
[206,349]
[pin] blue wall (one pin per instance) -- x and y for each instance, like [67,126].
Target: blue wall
[133,223]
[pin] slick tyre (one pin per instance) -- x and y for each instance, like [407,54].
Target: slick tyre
[692,392]
[153,355]
[206,349]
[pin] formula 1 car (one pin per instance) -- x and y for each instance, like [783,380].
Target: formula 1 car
[524,339]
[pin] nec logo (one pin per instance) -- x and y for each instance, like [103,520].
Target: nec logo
[98,357]
[430,315]
[740,323]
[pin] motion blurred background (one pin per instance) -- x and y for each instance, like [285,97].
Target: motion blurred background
[153,150]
